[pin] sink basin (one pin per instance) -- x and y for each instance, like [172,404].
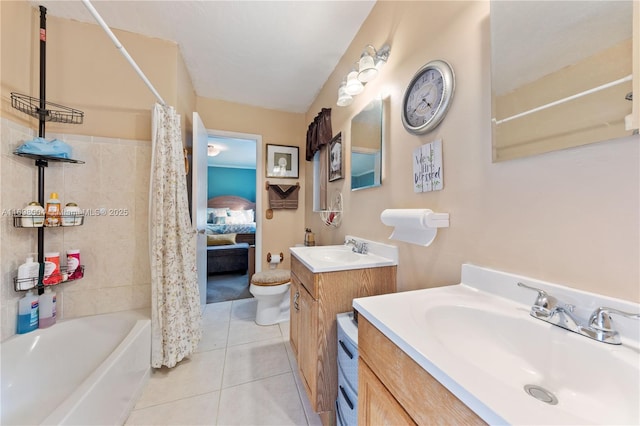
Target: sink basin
[507,366]
[334,254]
[341,257]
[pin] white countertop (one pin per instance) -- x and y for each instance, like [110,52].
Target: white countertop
[342,258]
[479,341]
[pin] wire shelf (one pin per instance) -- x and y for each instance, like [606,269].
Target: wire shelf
[48,158]
[333,216]
[24,284]
[38,221]
[52,112]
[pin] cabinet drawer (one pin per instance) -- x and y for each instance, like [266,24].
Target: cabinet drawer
[306,277]
[347,401]
[348,349]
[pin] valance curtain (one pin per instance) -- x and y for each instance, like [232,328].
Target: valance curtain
[319,133]
[175,297]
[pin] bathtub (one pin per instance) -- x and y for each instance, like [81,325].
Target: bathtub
[83,371]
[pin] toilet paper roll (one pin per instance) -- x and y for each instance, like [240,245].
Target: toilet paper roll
[274,260]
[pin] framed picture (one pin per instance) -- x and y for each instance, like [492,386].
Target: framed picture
[335,158]
[282,161]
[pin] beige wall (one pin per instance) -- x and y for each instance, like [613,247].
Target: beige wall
[85,71]
[286,229]
[570,217]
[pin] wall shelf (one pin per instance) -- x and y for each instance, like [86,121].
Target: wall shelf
[25,284]
[46,111]
[47,158]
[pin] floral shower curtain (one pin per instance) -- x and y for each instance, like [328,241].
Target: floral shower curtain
[175,298]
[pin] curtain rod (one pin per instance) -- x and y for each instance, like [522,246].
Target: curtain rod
[122,49]
[567,99]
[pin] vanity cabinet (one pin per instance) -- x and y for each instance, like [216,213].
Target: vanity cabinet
[394,389]
[316,299]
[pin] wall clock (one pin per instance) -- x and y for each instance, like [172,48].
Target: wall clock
[428,97]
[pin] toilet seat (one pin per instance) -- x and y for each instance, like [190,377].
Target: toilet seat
[271,277]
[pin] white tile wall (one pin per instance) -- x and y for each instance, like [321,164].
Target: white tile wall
[113,248]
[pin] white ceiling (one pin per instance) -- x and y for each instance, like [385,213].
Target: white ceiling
[271,54]
[234,153]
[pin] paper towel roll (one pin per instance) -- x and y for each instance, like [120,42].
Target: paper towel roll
[416,226]
[405,218]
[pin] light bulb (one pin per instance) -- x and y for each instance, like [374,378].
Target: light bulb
[354,86]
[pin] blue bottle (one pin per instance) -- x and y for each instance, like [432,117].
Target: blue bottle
[28,313]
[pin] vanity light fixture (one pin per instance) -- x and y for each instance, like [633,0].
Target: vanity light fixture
[212,150]
[354,86]
[344,99]
[371,61]
[365,70]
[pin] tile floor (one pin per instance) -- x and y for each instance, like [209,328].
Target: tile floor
[242,374]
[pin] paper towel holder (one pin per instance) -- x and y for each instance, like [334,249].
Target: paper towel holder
[415,226]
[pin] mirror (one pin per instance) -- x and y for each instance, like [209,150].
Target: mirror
[561,74]
[366,147]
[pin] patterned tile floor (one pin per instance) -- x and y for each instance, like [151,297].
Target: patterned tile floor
[242,374]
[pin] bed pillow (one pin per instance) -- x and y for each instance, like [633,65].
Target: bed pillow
[240,217]
[214,215]
[221,239]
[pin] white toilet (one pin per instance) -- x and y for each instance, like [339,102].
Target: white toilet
[271,289]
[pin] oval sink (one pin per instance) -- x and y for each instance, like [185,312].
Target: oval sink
[336,255]
[585,376]
[338,258]
[481,343]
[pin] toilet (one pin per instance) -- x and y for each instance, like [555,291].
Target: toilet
[271,290]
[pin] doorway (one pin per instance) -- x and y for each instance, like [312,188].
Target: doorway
[233,179]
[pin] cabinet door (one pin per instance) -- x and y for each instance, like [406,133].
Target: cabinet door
[294,313]
[376,405]
[307,344]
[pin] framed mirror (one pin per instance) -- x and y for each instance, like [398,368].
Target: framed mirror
[561,74]
[366,146]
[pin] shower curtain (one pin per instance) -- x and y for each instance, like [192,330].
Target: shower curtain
[175,298]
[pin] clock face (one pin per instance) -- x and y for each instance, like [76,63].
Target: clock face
[427,97]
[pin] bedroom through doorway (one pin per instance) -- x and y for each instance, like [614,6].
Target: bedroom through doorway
[232,222]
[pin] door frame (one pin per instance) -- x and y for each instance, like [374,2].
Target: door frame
[259,174]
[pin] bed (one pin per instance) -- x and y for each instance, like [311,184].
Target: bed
[231,231]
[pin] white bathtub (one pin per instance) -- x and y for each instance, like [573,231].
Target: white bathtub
[84,371]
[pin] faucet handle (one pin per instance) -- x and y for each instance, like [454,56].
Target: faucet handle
[545,304]
[600,319]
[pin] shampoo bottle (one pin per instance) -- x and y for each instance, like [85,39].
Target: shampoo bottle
[47,308]
[52,211]
[28,313]
[28,274]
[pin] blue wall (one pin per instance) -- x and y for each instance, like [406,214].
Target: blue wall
[230,181]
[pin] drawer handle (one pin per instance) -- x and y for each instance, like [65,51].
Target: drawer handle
[295,300]
[346,398]
[344,348]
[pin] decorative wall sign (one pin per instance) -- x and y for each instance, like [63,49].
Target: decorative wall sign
[427,167]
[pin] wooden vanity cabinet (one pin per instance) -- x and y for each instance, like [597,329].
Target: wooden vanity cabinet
[316,299]
[394,389]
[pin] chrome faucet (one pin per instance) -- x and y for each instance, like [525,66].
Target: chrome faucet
[358,247]
[599,326]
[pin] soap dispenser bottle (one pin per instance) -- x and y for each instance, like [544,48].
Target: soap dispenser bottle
[47,308]
[28,313]
[52,211]
[28,274]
